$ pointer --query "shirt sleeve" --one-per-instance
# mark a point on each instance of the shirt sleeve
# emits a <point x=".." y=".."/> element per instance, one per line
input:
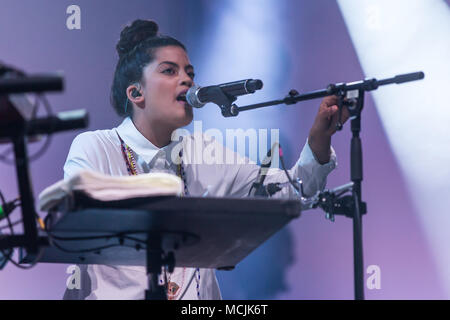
<point x="82" y="155"/>
<point x="307" y="168"/>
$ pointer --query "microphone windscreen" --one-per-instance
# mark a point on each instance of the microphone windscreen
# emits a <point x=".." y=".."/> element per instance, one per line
<point x="253" y="85"/>
<point x="192" y="99"/>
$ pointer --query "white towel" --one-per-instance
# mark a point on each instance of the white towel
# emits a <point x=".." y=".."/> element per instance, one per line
<point x="107" y="188"/>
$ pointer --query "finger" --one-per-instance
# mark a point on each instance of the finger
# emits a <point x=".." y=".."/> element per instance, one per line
<point x="345" y="115"/>
<point x="331" y="111"/>
<point x="333" y="121"/>
<point x="329" y="101"/>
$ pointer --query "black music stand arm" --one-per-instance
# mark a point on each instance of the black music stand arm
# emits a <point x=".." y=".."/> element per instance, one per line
<point x="332" y="89"/>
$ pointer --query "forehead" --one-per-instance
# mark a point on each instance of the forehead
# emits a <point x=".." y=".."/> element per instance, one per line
<point x="173" y="54"/>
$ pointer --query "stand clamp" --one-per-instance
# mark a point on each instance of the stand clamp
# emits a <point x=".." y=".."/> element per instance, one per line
<point x="333" y="203"/>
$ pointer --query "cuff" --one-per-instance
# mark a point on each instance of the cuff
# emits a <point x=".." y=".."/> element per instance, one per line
<point x="308" y="159"/>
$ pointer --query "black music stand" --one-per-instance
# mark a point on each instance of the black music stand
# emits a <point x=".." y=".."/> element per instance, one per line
<point x="183" y="232"/>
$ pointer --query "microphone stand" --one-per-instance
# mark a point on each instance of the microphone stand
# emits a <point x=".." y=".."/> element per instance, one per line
<point x="352" y="96"/>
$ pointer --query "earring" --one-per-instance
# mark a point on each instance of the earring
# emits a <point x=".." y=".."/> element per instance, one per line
<point x="136" y="92"/>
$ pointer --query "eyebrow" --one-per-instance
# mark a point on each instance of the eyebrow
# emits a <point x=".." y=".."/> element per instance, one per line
<point x="189" y="66"/>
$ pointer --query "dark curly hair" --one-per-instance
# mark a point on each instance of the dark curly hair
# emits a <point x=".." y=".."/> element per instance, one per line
<point x="136" y="49"/>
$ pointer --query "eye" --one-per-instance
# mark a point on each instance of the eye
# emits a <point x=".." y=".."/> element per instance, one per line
<point x="170" y="71"/>
<point x="191" y="75"/>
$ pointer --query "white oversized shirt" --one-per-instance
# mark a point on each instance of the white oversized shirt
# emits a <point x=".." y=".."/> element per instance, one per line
<point x="208" y="170"/>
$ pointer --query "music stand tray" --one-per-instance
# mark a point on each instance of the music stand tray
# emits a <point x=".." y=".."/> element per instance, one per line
<point x="166" y="230"/>
<point x="202" y="232"/>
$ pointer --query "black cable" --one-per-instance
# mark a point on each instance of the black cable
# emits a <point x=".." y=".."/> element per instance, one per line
<point x="9" y="209"/>
<point x="4" y="157"/>
<point x="187" y="287"/>
<point x="42" y="150"/>
<point x="91" y="249"/>
<point x="273" y="188"/>
<point x="15" y="223"/>
<point x="48" y="137"/>
<point x="7" y="255"/>
<point x="124" y="235"/>
<point x="285" y="170"/>
<point x="10" y="226"/>
<point x="121" y="235"/>
<point x="118" y="236"/>
<point x="29" y="266"/>
<point x="251" y="188"/>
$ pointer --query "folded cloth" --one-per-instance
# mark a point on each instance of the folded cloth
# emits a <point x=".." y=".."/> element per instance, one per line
<point x="107" y="188"/>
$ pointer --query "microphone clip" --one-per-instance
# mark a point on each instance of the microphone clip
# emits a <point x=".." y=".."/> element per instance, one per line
<point x="225" y="102"/>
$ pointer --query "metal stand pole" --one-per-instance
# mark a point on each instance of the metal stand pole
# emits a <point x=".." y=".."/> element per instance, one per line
<point x="154" y="265"/>
<point x="356" y="171"/>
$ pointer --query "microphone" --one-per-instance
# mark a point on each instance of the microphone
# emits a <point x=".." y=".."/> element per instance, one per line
<point x="197" y="96"/>
<point x="257" y="188"/>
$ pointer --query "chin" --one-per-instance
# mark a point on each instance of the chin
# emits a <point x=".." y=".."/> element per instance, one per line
<point x="183" y="121"/>
<point x="187" y="116"/>
<point x="187" y="120"/>
<point x="179" y="117"/>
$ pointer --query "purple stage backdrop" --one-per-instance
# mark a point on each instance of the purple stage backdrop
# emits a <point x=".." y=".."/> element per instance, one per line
<point x="312" y="258"/>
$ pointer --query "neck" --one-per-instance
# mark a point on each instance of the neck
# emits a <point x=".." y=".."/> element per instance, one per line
<point x="157" y="134"/>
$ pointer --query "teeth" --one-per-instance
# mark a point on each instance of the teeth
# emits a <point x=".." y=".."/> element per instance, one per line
<point x="182" y="97"/>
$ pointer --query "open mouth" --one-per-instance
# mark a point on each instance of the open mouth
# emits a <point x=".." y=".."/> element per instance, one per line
<point x="182" y="97"/>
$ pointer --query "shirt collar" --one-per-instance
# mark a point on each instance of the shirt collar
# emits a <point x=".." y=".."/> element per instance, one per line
<point x="140" y="145"/>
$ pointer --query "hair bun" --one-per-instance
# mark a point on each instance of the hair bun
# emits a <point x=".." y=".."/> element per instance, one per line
<point x="134" y="34"/>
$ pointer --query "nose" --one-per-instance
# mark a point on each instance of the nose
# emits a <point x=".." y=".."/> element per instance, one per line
<point x="186" y="80"/>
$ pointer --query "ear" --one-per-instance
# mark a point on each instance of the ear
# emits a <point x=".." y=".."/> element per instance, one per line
<point x="135" y="95"/>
